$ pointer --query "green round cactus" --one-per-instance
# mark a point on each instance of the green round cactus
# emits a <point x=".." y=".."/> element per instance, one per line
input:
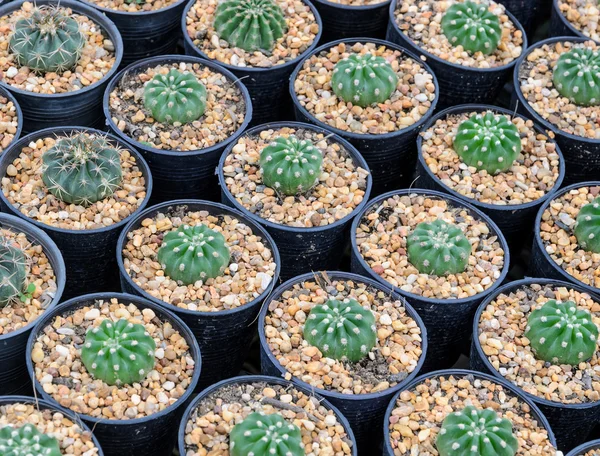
<point x="251" y="25"/>
<point x="342" y="330"/>
<point x="192" y="253"/>
<point x="27" y="440"/>
<point x="118" y="352"/>
<point x="475" y="432"/>
<point x="577" y="76"/>
<point x="364" y="80"/>
<point x="13" y="272"/>
<point x="472" y="26"/>
<point x="82" y="169"/>
<point x="290" y="165"/>
<point x="265" y="435"/>
<point x="490" y="142"/>
<point x="587" y="228"/>
<point x="562" y="334"/>
<point x="47" y="41"/>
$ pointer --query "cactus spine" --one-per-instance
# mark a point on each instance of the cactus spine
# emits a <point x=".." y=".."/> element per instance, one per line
<point x="13" y="272"/>
<point x="27" y="440"/>
<point x="472" y="26"/>
<point x="577" y="76"/>
<point x="587" y="229"/>
<point x="265" y="435"/>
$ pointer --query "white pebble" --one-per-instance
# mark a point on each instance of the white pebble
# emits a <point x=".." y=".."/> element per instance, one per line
<point x="160" y="353"/>
<point x="11" y="72"/>
<point x="162" y="398"/>
<point x="385" y="319"/>
<point x="169" y="386"/>
<point x="65" y="331"/>
<point x="330" y="420"/>
<point x="92" y="314"/>
<point x="62" y="350"/>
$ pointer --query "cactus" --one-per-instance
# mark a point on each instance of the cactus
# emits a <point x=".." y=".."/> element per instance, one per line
<point x="13" y="272"/>
<point x="475" y="432"/>
<point x="576" y="76"/>
<point x="47" y="41"/>
<point x="562" y="334"/>
<point x="364" y="80"/>
<point x="82" y="169"/>
<point x="265" y="435"/>
<point x="27" y="440"/>
<point x="587" y="228"/>
<point x="472" y="26"/>
<point x="251" y="25"/>
<point x="490" y="142"/>
<point x="342" y="330"/>
<point x="438" y="248"/>
<point x="290" y="165"/>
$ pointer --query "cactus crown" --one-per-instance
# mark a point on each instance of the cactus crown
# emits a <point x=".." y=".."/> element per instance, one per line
<point x="587" y="229"/>
<point x="27" y="440"/>
<point x="342" y="330"/>
<point x="561" y="333"/>
<point x="364" y="80"/>
<point x="47" y="41"/>
<point x="265" y="435"/>
<point x="490" y="142"/>
<point x="475" y="432"/>
<point x="577" y="76"/>
<point x="250" y="25"/>
<point x="472" y="26"/>
<point x="13" y="272"/>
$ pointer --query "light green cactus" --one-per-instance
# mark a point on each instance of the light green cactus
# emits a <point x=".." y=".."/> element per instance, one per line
<point x="265" y="435"/>
<point x="587" y="228"/>
<point x="576" y="76"/>
<point x="118" y="352"/>
<point x="13" y="273"/>
<point x="27" y="440"/>
<point x="364" y="80"/>
<point x="472" y="26"/>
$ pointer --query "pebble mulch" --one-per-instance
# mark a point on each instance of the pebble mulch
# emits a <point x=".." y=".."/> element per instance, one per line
<point x="9" y="122"/>
<point x="128" y="6"/>
<point x="583" y="15"/>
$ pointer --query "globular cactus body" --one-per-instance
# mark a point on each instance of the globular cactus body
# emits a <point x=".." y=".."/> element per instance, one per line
<point x="587" y="229"/>
<point x="27" y="440"/>
<point x="265" y="435"/>
<point x="472" y="26"/>
<point x="118" y="352"/>
<point x="576" y="76"/>
<point x="13" y="272"/>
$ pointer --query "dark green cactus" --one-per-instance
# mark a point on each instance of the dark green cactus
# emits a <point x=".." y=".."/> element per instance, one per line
<point x="265" y="435"/>
<point x="27" y="440"/>
<point x="118" y="352"/>
<point x="472" y="26"/>
<point x="13" y="272"/>
<point x="577" y="76"/>
<point x="587" y="229"/>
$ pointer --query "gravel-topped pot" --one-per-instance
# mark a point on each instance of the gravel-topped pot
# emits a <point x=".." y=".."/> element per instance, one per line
<point x="44" y="183"/>
<point x="417" y="415"/>
<point x="358" y="369"/>
<point x="381" y="118"/>
<point x="11" y="119"/>
<point x="182" y="147"/>
<point x="525" y="11"/>
<point x="391" y="243"/>
<point x="65" y="87"/>
<point x="575" y="18"/>
<point x="34" y="271"/>
<point x="468" y="71"/>
<point x="507" y="329"/>
<point x="315" y="425"/>
<point x="586" y="449"/>
<point x="308" y="216"/>
<point x="264" y="65"/>
<point x="135" y="404"/>
<point x="220" y="310"/>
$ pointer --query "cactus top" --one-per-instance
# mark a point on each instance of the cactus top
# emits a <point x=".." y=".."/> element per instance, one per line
<point x="27" y="440"/>
<point x="587" y="229"/>
<point x="577" y="76"/>
<point x="265" y="435"/>
<point x="472" y="26"/>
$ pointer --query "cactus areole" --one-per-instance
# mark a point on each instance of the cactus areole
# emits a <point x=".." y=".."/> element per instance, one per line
<point x="27" y="440"/>
<point x="472" y="26"/>
<point x="265" y="435"/>
<point x="587" y="228"/>
<point x="576" y="76"/>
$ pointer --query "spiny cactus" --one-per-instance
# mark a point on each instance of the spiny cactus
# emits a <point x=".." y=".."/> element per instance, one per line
<point x="577" y="76"/>
<point x="118" y="352"/>
<point x="490" y="142"/>
<point x="27" y="440"/>
<point x="587" y="228"/>
<point x="47" y="41"/>
<point x="364" y="80"/>
<point x="472" y="26"/>
<point x="438" y="248"/>
<point x="13" y="272"/>
<point x="561" y="333"/>
<point x="342" y="330"/>
<point x="192" y="253"/>
<point x="290" y="165"/>
<point x="82" y="169"/>
<point x="475" y="432"/>
<point x="265" y="435"/>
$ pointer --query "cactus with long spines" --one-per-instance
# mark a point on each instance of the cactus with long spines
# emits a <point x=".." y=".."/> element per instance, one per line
<point x="587" y="228"/>
<point x="472" y="26"/>
<point x="265" y="435"/>
<point x="13" y="272"/>
<point x="27" y="440"/>
<point x="576" y="76"/>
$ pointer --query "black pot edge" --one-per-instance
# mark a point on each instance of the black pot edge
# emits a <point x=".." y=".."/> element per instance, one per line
<point x="584" y="447"/>
<point x="6" y="93"/>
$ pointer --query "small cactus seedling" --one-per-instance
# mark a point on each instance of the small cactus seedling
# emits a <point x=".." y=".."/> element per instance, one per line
<point x="472" y="26"/>
<point x="476" y="432"/>
<point x="489" y="142"/>
<point x="364" y="80"/>
<point x="118" y="352"/>
<point x="47" y="41"/>
<point x="291" y="165"/>
<point x="438" y="248"/>
<point x="561" y="333"/>
<point x="342" y="330"/>
<point x="587" y="229"/>
<point x="577" y="76"/>
<point x="265" y="435"/>
<point x="27" y="440"/>
<point x="13" y="273"/>
<point x="192" y="253"/>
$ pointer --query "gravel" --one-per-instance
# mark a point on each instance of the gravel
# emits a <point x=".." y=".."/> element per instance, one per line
<point x="128" y="6"/>
<point x="9" y="122"/>
<point x="583" y="15"/>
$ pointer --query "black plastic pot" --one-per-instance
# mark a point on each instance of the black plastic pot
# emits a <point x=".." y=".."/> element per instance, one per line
<point x="448" y="321"/>
<point x="6" y="94"/>
<point x="458" y="84"/>
<point x="363" y="411"/>
<point x="155" y="434"/>
<point x="525" y="11"/>
<point x="534" y="410"/>
<point x="302" y="249"/>
<point x="89" y="254"/>
<point x="561" y="26"/>
<point x="391" y="156"/>
<point x="14" y="377"/>
<point x="80" y="107"/>
<point x="581" y="450"/>
<point x="267" y="86"/>
<point x="179" y="174"/>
